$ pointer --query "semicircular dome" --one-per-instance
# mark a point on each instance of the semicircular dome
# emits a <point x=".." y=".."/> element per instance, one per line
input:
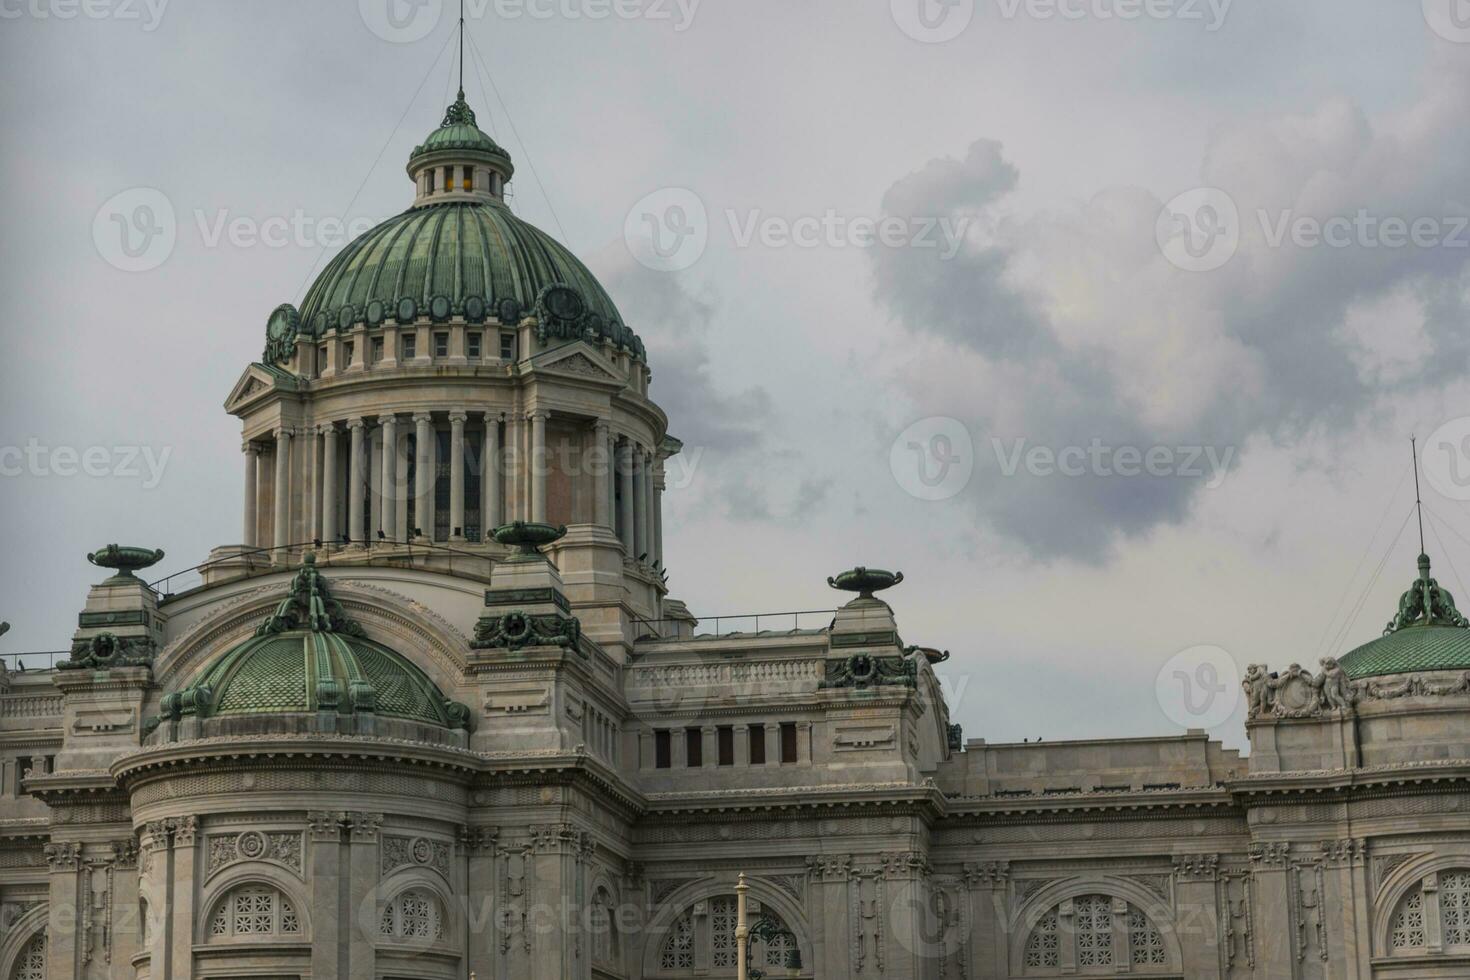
<point x="309" y="658"/>
<point x="1428" y="633"/>
<point x="453" y="252"/>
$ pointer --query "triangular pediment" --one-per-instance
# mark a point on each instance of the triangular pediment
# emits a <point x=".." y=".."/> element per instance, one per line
<point x="580" y="360"/>
<point x="254" y="385"/>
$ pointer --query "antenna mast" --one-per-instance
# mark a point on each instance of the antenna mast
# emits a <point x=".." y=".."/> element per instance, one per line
<point x="461" y="49"/>
<point x="1418" y="499"/>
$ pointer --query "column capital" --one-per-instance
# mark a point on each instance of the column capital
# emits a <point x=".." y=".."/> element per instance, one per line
<point x="282" y="431"/>
<point x="249" y="448"/>
<point x="423" y="418"/>
<point x="327" y="429"/>
<point x="602" y="426"/>
<point x="388" y="418"/>
<point x="357" y="423"/>
<point x="494" y="415"/>
<point x="538" y="413"/>
<point x="459" y="416"/>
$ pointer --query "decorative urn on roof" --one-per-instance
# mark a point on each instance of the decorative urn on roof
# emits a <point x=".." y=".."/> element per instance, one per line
<point x="865" y="581"/>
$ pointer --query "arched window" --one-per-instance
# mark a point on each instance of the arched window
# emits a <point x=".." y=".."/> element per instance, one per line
<point x="414" y="914"/>
<point x="714" y="922"/>
<point x="254" y="910"/>
<point x="31" y="963"/>
<point x="1440" y="904"/>
<point x="1094" y="934"/>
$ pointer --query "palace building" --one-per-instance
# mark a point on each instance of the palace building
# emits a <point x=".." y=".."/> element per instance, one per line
<point x="437" y="715"/>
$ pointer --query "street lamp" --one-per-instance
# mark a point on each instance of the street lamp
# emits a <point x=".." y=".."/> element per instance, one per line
<point x="766" y="929"/>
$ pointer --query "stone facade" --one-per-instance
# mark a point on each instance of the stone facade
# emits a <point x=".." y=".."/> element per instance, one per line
<point x="586" y="774"/>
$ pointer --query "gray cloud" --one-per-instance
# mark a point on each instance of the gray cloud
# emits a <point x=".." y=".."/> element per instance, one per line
<point x="1068" y="327"/>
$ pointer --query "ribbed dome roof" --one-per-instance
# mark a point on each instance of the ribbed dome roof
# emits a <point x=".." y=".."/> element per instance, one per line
<point x="307" y="657"/>
<point x="1427" y="634"/>
<point x="467" y="258"/>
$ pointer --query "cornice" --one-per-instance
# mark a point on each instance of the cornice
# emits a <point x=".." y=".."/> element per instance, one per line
<point x="846" y="799"/>
<point x="1167" y="805"/>
<point x="1371" y="782"/>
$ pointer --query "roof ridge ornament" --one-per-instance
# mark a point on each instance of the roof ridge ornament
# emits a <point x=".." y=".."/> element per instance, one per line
<point x="309" y="606"/>
<point x="459" y="113"/>
<point x="1426" y="603"/>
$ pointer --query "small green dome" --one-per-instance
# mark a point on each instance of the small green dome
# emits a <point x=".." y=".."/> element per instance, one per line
<point x="307" y="657"/>
<point x="1428" y="633"/>
<point x="460" y="133"/>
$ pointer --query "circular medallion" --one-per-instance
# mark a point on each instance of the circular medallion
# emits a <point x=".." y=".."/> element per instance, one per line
<point x="407" y="309"/>
<point x="283" y="322"/>
<point x="423" y="852"/>
<point x="250" y="844"/>
<point x="508" y="311"/>
<point x="563" y="302"/>
<point x="376" y="313"/>
<point x="515" y="627"/>
<point x="319" y="323"/>
<point x="862" y="667"/>
<point x="345" y="318"/>
<point x="439" y="308"/>
<point x="474" y="309"/>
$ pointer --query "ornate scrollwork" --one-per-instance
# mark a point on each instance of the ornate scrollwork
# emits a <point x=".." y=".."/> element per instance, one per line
<point x="309" y="606"/>
<point x="105" y="650"/>
<point x="514" y="630"/>
<point x="863" y="670"/>
<point x="1426" y="603"/>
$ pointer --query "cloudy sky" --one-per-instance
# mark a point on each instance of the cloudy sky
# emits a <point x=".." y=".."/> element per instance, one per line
<point x="1107" y="322"/>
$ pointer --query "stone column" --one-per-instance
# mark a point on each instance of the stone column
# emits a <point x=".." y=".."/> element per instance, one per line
<point x="283" y="487"/>
<point x="423" y="484"/>
<point x="313" y="496"/>
<point x="481" y="906"/>
<point x="658" y="516"/>
<point x="456" y="475"/>
<point x="538" y="466"/>
<point x="329" y="926"/>
<point x="181" y="901"/>
<point x="601" y="463"/>
<point x="625" y="489"/>
<point x="492" y="478"/>
<point x="364" y="875"/>
<point x="1195" y="891"/>
<point x="330" y="484"/>
<point x="155" y="878"/>
<point x="64" y="863"/>
<point x="357" y="484"/>
<point x="252" y="503"/>
<point x="388" y="506"/>
<point x="1272" y="908"/>
<point x="640" y="505"/>
<point x="647" y="515"/>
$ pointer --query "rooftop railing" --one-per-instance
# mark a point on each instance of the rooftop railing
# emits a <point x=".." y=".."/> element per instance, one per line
<point x="36" y="662"/>
<point x="748" y="623"/>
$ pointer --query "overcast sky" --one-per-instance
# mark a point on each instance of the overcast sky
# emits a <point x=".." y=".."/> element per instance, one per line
<point x="1106" y="322"/>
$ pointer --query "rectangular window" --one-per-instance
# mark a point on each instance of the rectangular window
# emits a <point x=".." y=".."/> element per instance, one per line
<point x="757" y="745"/>
<point x="377" y="349"/>
<point x="469" y="178"/>
<point x="726" y="739"/>
<point x="663" y="756"/>
<point x="507" y="346"/>
<point x="472" y="344"/>
<point x="441" y="345"/>
<point x="321" y="359"/>
<point x="788" y="743"/>
<point x="410" y="346"/>
<point x="694" y="747"/>
<point x="347" y="350"/>
<point x="21" y="765"/>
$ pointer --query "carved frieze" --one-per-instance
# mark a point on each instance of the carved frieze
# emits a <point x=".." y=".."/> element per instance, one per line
<point x="421" y="852"/>
<point x="253" y="845"/>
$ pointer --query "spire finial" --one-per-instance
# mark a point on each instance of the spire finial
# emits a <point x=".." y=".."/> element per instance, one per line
<point x="1418" y="498"/>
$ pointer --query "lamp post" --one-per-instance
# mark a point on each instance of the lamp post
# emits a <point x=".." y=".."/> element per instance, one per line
<point x="765" y="929"/>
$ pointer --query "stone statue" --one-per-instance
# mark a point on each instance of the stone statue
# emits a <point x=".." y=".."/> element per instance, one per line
<point x="1257" y="690"/>
<point x="1337" y="690"/>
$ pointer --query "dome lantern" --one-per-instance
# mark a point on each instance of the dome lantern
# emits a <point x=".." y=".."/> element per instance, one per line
<point x="459" y="161"/>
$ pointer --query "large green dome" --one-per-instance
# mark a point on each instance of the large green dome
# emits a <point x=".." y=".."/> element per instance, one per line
<point x="308" y="658"/>
<point x="458" y="252"/>
<point x="470" y="258"/>
<point x="1428" y="633"/>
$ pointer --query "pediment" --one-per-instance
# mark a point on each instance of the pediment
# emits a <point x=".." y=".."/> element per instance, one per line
<point x="254" y="385"/>
<point x="580" y="360"/>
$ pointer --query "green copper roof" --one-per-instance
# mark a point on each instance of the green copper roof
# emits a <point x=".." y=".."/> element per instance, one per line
<point x="309" y="657"/>
<point x="459" y="132"/>
<point x="467" y="258"/>
<point x="1428" y="633"/>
